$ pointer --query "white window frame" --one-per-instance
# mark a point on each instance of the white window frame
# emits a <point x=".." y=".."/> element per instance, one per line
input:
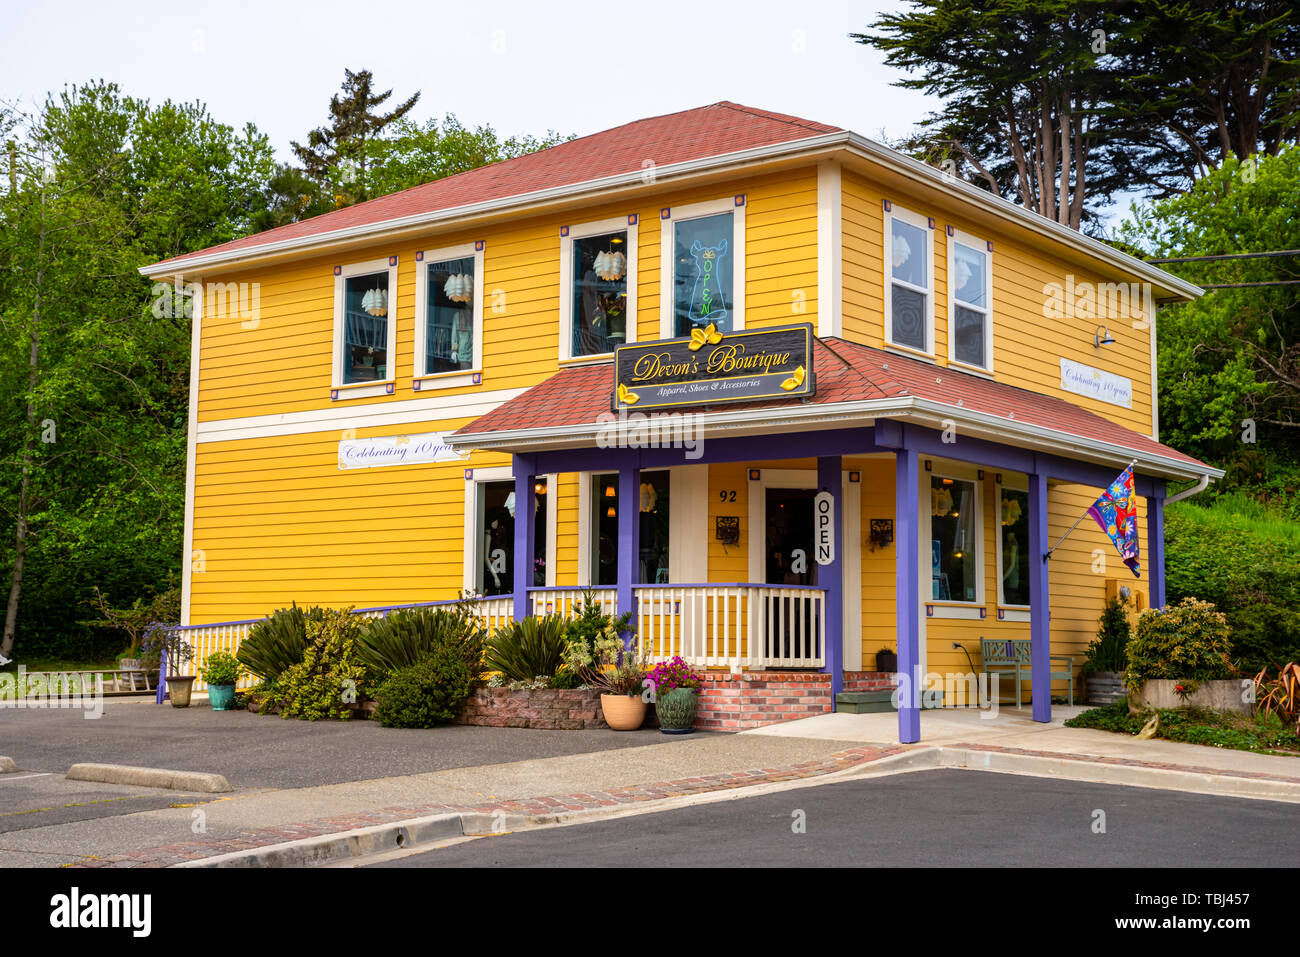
<point x="1016" y="483"/>
<point x="460" y="377"/>
<point x="356" y="390"/>
<point x="922" y="222"/>
<point x="615" y="224"/>
<point x="951" y="607"/>
<point x="470" y="556"/>
<point x="667" y="237"/>
<point x="981" y="246"/>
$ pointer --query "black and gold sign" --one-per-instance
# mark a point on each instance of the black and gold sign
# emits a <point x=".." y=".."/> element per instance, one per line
<point x="709" y="367"/>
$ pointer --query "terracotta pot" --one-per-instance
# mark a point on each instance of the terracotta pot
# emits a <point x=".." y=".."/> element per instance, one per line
<point x="623" y="712"/>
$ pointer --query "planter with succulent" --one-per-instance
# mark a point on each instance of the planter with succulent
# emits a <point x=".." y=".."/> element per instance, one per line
<point x="596" y="652"/>
<point x="221" y="671"/>
<point x="675" y="689"/>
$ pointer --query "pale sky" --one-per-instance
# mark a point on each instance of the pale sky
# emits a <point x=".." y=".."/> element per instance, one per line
<point x="574" y="67"/>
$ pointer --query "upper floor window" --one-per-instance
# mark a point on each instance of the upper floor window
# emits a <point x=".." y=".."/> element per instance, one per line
<point x="703" y="250"/>
<point x="909" y="297"/>
<point x="449" y="311"/>
<point x="970" y="302"/>
<point x="597" y="287"/>
<point x="365" y="335"/>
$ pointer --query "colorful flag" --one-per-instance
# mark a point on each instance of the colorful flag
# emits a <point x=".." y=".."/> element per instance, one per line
<point x="1116" y="513"/>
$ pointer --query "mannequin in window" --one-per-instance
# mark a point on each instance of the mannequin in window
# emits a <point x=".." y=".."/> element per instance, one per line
<point x="462" y="340"/>
<point x="1011" y="562"/>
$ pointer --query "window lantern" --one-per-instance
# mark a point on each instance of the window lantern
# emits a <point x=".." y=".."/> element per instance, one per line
<point x="375" y="302"/>
<point x="459" y="287"/>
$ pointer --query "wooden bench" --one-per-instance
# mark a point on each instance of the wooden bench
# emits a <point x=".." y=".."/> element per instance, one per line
<point x="1009" y="656"/>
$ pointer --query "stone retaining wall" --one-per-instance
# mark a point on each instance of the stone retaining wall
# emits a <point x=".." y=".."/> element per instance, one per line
<point x="554" y="709"/>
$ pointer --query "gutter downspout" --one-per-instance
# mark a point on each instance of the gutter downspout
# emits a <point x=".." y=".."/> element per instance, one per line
<point x="1196" y="489"/>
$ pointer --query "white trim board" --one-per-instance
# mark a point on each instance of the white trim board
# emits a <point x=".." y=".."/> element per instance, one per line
<point x="369" y="415"/>
<point x="830" y="249"/>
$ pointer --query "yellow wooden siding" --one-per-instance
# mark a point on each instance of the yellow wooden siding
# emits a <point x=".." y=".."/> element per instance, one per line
<point x="729" y="563"/>
<point x="1027" y="346"/>
<point x="282" y="362"/>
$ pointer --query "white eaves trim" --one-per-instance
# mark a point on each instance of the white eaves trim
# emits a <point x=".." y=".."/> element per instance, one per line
<point x="843" y="414"/>
<point x="824" y="142"/>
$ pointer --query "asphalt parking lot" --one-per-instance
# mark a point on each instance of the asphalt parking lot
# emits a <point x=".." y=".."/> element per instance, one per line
<point x="255" y="751"/>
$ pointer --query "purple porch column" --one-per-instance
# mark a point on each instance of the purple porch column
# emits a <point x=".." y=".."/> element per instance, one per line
<point x="524" y="532"/>
<point x="1156" y="547"/>
<point x="907" y="596"/>
<point x="830" y="577"/>
<point x="629" y="534"/>
<point x="1040" y="628"/>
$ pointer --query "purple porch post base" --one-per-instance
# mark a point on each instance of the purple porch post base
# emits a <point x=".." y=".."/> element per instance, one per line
<point x="524" y="472"/>
<point x="162" y="678"/>
<point x="1156" y="548"/>
<point x="629" y="546"/>
<point x="907" y="594"/>
<point x="830" y="577"/>
<point x="1040" y="631"/>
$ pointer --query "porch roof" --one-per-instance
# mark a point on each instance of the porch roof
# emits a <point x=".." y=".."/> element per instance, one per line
<point x="855" y="383"/>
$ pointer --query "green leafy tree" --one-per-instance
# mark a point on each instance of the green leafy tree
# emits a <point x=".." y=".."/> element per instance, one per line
<point x="1230" y="362"/>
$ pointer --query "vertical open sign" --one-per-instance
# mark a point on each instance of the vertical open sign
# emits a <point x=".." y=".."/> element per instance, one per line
<point x="824" y="527"/>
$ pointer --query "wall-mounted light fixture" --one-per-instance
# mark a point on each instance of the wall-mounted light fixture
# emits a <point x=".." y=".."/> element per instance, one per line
<point x="1102" y="337"/>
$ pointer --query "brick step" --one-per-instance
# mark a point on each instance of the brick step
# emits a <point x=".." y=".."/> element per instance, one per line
<point x="864" y="702"/>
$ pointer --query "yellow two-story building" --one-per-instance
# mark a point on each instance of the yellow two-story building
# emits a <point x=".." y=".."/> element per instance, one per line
<point x="795" y="400"/>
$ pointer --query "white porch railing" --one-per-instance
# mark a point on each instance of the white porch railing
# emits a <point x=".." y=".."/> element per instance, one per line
<point x="733" y="625"/>
<point x="566" y="600"/>
<point x="227" y="635"/>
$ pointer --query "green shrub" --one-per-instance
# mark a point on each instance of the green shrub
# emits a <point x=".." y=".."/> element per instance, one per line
<point x="1187" y="641"/>
<point x="1264" y="636"/>
<point x="424" y="694"/>
<point x="330" y="677"/>
<point x="221" y="668"/>
<point x="402" y="638"/>
<point x="276" y="642"/>
<point x="1231" y="559"/>
<point x="1109" y="650"/>
<point x="525" y="649"/>
<point x="565" y="680"/>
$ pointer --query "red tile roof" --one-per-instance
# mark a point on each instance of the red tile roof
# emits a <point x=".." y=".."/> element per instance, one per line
<point x="846" y="372"/>
<point x="706" y="131"/>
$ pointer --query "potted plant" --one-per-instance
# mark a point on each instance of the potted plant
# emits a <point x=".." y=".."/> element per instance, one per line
<point x="1179" y="658"/>
<point x="596" y="652"/>
<point x="675" y="688"/>
<point x="886" y="660"/>
<point x="221" y="671"/>
<point x="1107" y="655"/>
<point x="164" y="639"/>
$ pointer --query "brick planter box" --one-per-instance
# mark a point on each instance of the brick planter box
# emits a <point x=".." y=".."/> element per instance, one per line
<point x="552" y="709"/>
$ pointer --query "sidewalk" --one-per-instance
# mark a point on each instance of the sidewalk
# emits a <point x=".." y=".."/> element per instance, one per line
<point x="667" y="774"/>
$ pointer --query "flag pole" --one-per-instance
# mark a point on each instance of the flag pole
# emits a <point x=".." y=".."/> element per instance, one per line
<point x="1080" y="518"/>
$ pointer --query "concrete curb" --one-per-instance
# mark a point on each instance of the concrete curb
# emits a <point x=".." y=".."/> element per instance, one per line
<point x="361" y="842"/>
<point x="149" y="777"/>
<point x="7" y="765"/>
<point x="1101" y="772"/>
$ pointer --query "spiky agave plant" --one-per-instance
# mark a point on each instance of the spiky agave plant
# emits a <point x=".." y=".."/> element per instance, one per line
<point x="402" y="638"/>
<point x="527" y="649"/>
<point x="1281" y="695"/>
<point x="276" y="642"/>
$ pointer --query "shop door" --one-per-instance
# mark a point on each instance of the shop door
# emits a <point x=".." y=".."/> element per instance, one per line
<point x="792" y="629"/>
